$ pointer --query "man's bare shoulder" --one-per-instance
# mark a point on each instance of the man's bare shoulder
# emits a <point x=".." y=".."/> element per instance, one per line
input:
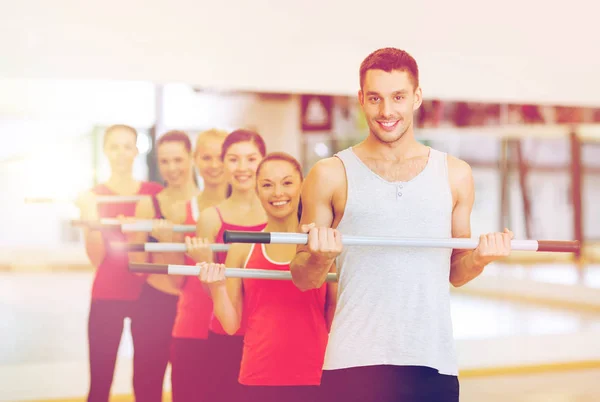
<point x="327" y="169"/>
<point x="458" y="169"/>
<point x="461" y="178"/>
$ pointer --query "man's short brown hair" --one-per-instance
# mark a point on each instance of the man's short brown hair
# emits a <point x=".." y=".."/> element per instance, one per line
<point x="389" y="59"/>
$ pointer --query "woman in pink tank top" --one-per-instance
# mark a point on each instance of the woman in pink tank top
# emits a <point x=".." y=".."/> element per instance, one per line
<point x="115" y="291"/>
<point x="242" y="152"/>
<point x="194" y="309"/>
<point x="287" y="329"/>
<point x="155" y="316"/>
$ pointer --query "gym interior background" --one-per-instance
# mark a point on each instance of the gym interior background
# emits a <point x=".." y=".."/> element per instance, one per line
<point x="512" y="95"/>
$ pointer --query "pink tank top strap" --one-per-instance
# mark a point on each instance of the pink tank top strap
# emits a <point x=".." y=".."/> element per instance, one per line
<point x="220" y="216"/>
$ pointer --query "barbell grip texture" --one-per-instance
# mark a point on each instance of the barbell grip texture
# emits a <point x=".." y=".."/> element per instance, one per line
<point x="234" y="236"/>
<point x="120" y="246"/>
<point x="145" y="268"/>
<point x="559" y="246"/>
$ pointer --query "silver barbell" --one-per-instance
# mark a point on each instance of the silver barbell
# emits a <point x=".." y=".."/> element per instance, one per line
<point x="162" y="247"/>
<point x="144" y="226"/>
<point x="564" y="246"/>
<point x="100" y="199"/>
<point x="194" y="270"/>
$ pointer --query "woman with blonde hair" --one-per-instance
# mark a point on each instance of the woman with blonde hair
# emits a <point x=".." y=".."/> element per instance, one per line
<point x="194" y="309"/>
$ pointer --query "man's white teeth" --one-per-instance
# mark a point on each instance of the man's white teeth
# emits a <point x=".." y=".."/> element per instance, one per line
<point x="389" y="124"/>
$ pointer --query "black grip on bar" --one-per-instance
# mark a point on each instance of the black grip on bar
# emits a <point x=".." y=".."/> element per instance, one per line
<point x="234" y="236"/>
<point x="559" y="246"/>
<point x="128" y="246"/>
<point x="149" y="268"/>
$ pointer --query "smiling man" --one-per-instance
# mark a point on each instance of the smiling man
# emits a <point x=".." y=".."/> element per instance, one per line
<point x="391" y="337"/>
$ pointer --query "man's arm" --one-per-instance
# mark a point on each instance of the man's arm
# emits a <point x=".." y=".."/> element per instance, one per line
<point x="466" y="265"/>
<point x="313" y="261"/>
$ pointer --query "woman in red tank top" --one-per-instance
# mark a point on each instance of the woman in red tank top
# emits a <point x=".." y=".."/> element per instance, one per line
<point x="194" y="309"/>
<point x="155" y="316"/>
<point x="115" y="291"/>
<point x="287" y="329"/>
<point x="241" y="153"/>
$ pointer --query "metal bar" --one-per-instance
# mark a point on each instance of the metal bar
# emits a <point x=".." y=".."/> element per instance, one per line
<point x="454" y="243"/>
<point x="146" y="226"/>
<point x="100" y="199"/>
<point x="162" y="247"/>
<point x="194" y="270"/>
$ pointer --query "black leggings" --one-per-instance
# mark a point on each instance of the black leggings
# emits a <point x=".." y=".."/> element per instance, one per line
<point x="224" y="360"/>
<point x="152" y="317"/>
<point x="389" y="384"/>
<point x="190" y="370"/>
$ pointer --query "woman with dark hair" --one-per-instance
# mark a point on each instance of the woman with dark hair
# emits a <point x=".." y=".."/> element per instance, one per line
<point x="286" y="329"/>
<point x="241" y="153"/>
<point x="153" y="322"/>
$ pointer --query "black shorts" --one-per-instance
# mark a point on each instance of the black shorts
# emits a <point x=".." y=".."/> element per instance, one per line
<point x="389" y="384"/>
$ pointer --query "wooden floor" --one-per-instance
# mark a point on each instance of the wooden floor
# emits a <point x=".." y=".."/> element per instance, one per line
<point x="43" y="353"/>
<point x="567" y="386"/>
<point x="559" y="386"/>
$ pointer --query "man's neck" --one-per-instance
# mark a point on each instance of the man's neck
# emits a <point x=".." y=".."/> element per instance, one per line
<point x="404" y="148"/>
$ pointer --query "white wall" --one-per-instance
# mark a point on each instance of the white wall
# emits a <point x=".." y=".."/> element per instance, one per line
<point x="58" y="151"/>
<point x="515" y="50"/>
<point x="276" y="119"/>
<point x="47" y="147"/>
<point x="81" y="101"/>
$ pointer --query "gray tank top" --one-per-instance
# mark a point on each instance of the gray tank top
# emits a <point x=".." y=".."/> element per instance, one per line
<point x="393" y="304"/>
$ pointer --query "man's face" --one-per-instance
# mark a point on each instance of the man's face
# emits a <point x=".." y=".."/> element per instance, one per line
<point x="389" y="101"/>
